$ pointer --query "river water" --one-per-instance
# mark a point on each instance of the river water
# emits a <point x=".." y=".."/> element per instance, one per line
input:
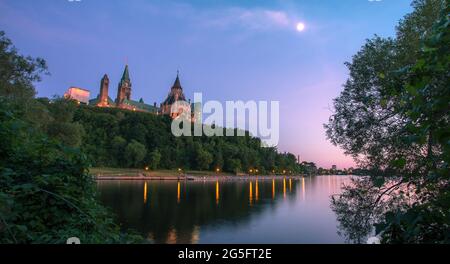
<point x="281" y="210"/>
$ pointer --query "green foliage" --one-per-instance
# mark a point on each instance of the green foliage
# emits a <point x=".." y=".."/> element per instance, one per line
<point x="202" y="158"/>
<point x="17" y="73"/>
<point x="393" y="116"/>
<point x="118" y="145"/>
<point x="109" y="131"/>
<point x="46" y="193"/>
<point x="218" y="160"/>
<point x="155" y="158"/>
<point x="134" y="153"/>
<point x="234" y="165"/>
<point x="428" y="220"/>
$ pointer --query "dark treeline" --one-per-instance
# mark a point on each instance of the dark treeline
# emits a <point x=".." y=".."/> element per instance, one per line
<point x="120" y="138"/>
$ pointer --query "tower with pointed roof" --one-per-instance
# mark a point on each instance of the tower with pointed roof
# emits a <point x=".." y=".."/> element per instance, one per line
<point x="104" y="86"/>
<point x="175" y="94"/>
<point x="124" y="88"/>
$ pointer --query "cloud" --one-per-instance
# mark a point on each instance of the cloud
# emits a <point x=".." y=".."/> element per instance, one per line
<point x="278" y="17"/>
<point x="253" y="19"/>
<point x="233" y="17"/>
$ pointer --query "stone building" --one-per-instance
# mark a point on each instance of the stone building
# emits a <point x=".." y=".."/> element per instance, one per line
<point x="175" y="94"/>
<point x="124" y="101"/>
<point x="78" y="94"/>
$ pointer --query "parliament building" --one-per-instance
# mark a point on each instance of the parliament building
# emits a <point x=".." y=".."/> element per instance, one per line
<point x="123" y="99"/>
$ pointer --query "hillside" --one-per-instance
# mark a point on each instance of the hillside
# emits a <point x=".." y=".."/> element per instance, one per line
<point x="127" y="139"/>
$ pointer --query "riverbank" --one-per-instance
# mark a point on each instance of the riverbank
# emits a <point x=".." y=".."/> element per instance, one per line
<point x="139" y="174"/>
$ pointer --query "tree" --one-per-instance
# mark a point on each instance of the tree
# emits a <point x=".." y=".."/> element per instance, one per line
<point x="218" y="160"/>
<point x="134" y="153"/>
<point x="234" y="165"/>
<point x="17" y="72"/>
<point x="427" y="96"/>
<point x="203" y="158"/>
<point x="392" y="116"/>
<point x="103" y="126"/>
<point x="62" y="127"/>
<point x="118" y="145"/>
<point x="155" y="158"/>
<point x="46" y="193"/>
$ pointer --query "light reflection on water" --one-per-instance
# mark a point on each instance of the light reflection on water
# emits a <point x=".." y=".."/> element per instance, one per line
<point x="282" y="210"/>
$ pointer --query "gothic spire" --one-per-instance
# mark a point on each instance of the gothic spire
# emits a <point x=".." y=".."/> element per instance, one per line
<point x="126" y="74"/>
<point x="177" y="83"/>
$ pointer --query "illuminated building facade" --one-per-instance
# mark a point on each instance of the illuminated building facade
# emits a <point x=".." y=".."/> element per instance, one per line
<point x="124" y="101"/>
<point x="78" y="94"/>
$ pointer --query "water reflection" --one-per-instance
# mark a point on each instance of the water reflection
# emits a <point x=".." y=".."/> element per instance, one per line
<point x="250" y="194"/>
<point x="145" y="192"/>
<point x="273" y="189"/>
<point x="290" y="185"/>
<point x="259" y="211"/>
<point x="178" y="192"/>
<point x="303" y="189"/>
<point x="256" y="190"/>
<point x="217" y="192"/>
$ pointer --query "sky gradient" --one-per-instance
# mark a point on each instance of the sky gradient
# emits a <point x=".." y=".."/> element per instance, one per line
<point x="229" y="50"/>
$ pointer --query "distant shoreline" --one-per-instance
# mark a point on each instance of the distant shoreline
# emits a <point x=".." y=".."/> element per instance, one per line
<point x="102" y="174"/>
<point x="121" y="174"/>
<point x="196" y="178"/>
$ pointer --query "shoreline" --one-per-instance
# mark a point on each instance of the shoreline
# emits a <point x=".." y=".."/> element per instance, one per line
<point x="197" y="178"/>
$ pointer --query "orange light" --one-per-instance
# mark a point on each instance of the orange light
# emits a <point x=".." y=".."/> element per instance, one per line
<point x="178" y="192"/>
<point x="146" y="168"/>
<point x="145" y="192"/>
<point x="250" y="196"/>
<point x="217" y="192"/>
<point x="273" y="189"/>
<point x="256" y="190"/>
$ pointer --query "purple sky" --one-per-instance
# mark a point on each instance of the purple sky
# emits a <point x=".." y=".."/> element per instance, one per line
<point x="229" y="50"/>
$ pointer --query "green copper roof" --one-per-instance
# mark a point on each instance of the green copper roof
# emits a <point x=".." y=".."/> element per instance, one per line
<point x="142" y="106"/>
<point x="96" y="100"/>
<point x="126" y="74"/>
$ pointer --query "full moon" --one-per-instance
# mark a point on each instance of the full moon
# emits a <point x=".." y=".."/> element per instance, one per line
<point x="300" y="27"/>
